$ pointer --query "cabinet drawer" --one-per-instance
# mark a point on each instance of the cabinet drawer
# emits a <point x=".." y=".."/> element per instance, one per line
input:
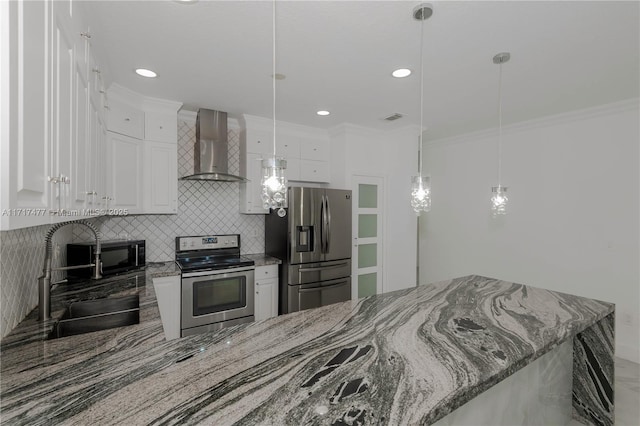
<point x="314" y="150"/>
<point x="161" y="127"/>
<point x="125" y="119"/>
<point x="314" y="171"/>
<point x="266" y="272"/>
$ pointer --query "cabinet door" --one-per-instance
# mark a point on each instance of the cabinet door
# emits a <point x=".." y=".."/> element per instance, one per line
<point x="95" y="164"/>
<point x="125" y="119"/>
<point x="266" y="301"/>
<point x="292" y="172"/>
<point x="314" y="149"/>
<point x="25" y="150"/>
<point x="314" y="171"/>
<point x="287" y="146"/>
<point x="124" y="173"/>
<point x="259" y="141"/>
<point x="160" y="177"/>
<point x="62" y="104"/>
<point x="251" y="191"/>
<point x="160" y="127"/>
<point x="81" y="137"/>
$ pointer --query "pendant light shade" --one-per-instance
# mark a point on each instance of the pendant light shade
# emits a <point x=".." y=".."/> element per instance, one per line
<point x="421" y="185"/>
<point x="499" y="193"/>
<point x="421" y="194"/>
<point x="274" y="182"/>
<point x="499" y="201"/>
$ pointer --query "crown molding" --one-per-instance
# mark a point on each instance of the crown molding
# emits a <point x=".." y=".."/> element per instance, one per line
<point x="536" y="123"/>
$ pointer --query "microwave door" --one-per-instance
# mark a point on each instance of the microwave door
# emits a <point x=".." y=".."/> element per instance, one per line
<point x="338" y="224"/>
<point x="305" y="225"/>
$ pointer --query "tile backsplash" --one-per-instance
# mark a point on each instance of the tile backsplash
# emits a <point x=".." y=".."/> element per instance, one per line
<point x="21" y="261"/>
<point x="204" y="207"/>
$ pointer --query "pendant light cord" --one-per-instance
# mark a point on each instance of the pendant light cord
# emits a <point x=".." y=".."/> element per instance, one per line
<point x="273" y="62"/>
<point x="421" y="95"/>
<point x="500" y="127"/>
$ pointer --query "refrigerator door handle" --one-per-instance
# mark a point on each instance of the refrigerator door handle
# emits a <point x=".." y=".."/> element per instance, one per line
<point x="323" y="226"/>
<point x="314" y="289"/>
<point x="323" y="268"/>
<point x="328" y="238"/>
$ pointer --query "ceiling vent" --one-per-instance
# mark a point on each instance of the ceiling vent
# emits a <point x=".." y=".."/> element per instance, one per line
<point x="394" y="116"/>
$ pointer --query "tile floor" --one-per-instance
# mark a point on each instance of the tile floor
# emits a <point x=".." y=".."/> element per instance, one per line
<point x="627" y="394"/>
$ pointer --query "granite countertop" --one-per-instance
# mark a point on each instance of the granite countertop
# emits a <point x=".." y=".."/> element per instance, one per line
<point x="262" y="259"/>
<point x="405" y="357"/>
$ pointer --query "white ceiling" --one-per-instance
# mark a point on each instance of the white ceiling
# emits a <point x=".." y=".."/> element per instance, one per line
<point x="338" y="55"/>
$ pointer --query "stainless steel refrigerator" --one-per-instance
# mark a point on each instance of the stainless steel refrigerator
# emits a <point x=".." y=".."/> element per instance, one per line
<point x="314" y="242"/>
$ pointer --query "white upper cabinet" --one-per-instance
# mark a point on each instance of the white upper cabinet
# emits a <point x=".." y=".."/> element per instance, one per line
<point x="124" y="190"/>
<point x="161" y="127"/>
<point x="125" y="119"/>
<point x="142" y="171"/>
<point x="48" y="134"/>
<point x="305" y="149"/>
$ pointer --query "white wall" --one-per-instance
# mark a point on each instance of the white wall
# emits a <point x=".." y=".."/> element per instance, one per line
<point x="392" y="155"/>
<point x="573" y="220"/>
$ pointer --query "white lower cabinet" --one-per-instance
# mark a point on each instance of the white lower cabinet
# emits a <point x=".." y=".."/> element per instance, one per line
<point x="266" y="288"/>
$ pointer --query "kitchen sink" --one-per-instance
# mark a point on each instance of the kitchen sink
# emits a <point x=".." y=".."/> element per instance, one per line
<point x="95" y="315"/>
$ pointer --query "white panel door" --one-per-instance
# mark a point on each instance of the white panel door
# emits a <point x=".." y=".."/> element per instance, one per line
<point x="124" y="173"/>
<point x="368" y="233"/>
<point x="160" y="177"/>
<point x="62" y="105"/>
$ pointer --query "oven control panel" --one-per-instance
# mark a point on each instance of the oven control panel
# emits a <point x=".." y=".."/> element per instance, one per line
<point x="207" y="242"/>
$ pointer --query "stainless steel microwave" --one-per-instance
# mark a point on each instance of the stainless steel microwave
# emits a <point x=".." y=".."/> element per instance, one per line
<point x="117" y="256"/>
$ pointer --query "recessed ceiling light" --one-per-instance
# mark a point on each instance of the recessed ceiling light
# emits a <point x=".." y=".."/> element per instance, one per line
<point x="186" y="1"/>
<point x="323" y="113"/>
<point x="146" y="73"/>
<point x="402" y="72"/>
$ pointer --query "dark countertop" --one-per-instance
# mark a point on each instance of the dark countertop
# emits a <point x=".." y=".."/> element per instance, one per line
<point x="367" y="359"/>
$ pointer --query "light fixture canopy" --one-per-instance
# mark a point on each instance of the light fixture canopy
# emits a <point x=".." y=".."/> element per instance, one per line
<point x="143" y="72"/>
<point x="499" y="197"/>
<point x="274" y="182"/>
<point x="401" y="73"/>
<point x="421" y="185"/>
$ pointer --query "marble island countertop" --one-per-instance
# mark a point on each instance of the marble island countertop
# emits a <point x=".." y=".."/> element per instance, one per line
<point x="406" y="357"/>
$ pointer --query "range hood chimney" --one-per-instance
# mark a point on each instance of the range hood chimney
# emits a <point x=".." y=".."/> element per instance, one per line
<point x="211" y="148"/>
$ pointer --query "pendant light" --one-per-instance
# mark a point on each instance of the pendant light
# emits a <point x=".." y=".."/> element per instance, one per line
<point x="499" y="193"/>
<point x="274" y="182"/>
<point x="421" y="185"/>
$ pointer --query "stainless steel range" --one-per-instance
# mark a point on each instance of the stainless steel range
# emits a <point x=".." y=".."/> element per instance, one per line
<point x="217" y="283"/>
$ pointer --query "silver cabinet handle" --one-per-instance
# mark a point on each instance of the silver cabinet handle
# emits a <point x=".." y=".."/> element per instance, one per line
<point x="314" y="289"/>
<point x="322" y="268"/>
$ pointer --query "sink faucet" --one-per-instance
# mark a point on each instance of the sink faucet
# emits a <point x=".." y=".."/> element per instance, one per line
<point x="44" y="282"/>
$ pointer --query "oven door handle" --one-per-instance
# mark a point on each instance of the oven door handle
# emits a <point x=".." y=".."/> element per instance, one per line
<point x="314" y="289"/>
<point x="216" y="272"/>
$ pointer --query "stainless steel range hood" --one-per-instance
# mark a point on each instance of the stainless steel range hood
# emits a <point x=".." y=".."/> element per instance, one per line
<point x="211" y="148"/>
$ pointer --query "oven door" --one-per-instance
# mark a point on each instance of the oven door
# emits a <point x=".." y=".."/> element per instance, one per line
<point x="210" y="297"/>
